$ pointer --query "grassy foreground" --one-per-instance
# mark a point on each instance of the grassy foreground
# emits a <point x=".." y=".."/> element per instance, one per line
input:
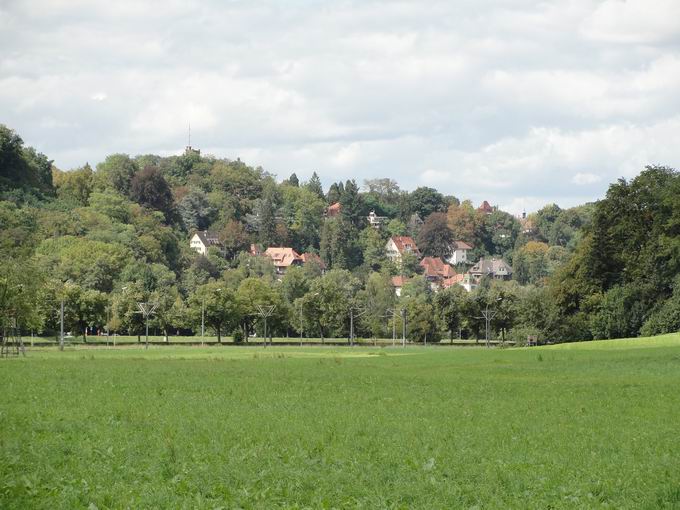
<point x="591" y="425"/>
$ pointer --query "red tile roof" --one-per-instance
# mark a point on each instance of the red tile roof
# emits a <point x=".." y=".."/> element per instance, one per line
<point x="334" y="209"/>
<point x="312" y="257"/>
<point x="454" y="280"/>
<point x="461" y="245"/>
<point x="405" y="243"/>
<point x="399" y="281"/>
<point x="283" y="257"/>
<point x="436" y="268"/>
<point x="485" y="207"/>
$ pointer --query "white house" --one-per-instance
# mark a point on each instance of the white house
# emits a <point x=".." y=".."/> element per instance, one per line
<point x="398" y="245"/>
<point x="459" y="253"/>
<point x="375" y="221"/>
<point x="202" y="240"/>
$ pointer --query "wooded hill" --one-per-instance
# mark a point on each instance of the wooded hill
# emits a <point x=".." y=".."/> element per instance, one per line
<point x="104" y="238"/>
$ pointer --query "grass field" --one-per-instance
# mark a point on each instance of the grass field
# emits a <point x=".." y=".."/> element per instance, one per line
<point x="592" y="425"/>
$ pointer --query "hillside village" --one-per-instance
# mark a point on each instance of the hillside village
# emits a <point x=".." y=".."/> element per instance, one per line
<point x="440" y="274"/>
<point x="209" y="240"/>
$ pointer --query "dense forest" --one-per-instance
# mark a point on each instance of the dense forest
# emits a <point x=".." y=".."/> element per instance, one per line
<point x="102" y="239"/>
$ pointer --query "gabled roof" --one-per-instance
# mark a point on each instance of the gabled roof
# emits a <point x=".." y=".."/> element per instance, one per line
<point x="399" y="281"/>
<point x="490" y="266"/>
<point x="334" y="209"/>
<point x="485" y="207"/>
<point x="208" y="238"/>
<point x="283" y="257"/>
<point x="461" y="245"/>
<point x="313" y="257"/>
<point x="454" y="280"/>
<point x="436" y="268"/>
<point x="405" y="243"/>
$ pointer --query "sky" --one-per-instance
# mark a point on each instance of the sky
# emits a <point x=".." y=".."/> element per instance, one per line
<point x="520" y="103"/>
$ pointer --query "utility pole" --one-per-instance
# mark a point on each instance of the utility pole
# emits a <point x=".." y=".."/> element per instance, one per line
<point x="352" y="315"/>
<point x="61" y="333"/>
<point x="403" y="327"/>
<point x="203" y="322"/>
<point x="147" y="309"/>
<point x="264" y="312"/>
<point x="300" y="323"/>
<point x="488" y="316"/>
<point x="391" y="312"/>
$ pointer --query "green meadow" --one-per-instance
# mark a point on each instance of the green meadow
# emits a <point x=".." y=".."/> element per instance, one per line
<point x="588" y="425"/>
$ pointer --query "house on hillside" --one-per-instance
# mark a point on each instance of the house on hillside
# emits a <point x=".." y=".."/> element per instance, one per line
<point x="454" y="280"/>
<point x="202" y="240"/>
<point x="314" y="259"/>
<point x="398" y="283"/>
<point x="485" y="208"/>
<point x="283" y="258"/>
<point x="492" y="267"/>
<point x="436" y="271"/>
<point x="459" y="253"/>
<point x="375" y="221"/>
<point x="398" y="245"/>
<point x="333" y="210"/>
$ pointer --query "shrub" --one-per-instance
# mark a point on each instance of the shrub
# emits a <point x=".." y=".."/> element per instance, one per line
<point x="237" y="336"/>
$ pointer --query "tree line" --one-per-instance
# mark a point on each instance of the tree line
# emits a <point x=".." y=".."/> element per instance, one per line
<point x="103" y="239"/>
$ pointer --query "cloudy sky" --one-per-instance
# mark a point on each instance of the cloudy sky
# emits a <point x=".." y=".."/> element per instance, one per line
<point x="514" y="101"/>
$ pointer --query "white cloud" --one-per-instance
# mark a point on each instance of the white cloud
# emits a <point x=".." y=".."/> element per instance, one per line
<point x="581" y="179"/>
<point x="634" y="21"/>
<point x="516" y="103"/>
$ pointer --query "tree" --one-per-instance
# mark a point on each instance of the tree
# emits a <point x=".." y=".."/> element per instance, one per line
<point x="293" y="180"/>
<point x="325" y="308"/>
<point x="234" y="239"/>
<point x="253" y="293"/>
<point x="377" y="298"/>
<point x="294" y="284"/>
<point x="414" y="225"/>
<point x="169" y="309"/>
<point x="435" y="239"/>
<point x="74" y="186"/>
<point x="339" y="248"/>
<point x="424" y="201"/>
<point x="218" y="305"/>
<point x="373" y="247"/>
<point x="530" y="264"/>
<point x="150" y="189"/>
<point x="463" y="221"/>
<point x="351" y="207"/>
<point x="195" y="210"/>
<point x="449" y="308"/>
<point x="314" y="186"/>
<point x="396" y="227"/>
<point x="266" y="222"/>
<point x="22" y="167"/>
<point x="116" y="172"/>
